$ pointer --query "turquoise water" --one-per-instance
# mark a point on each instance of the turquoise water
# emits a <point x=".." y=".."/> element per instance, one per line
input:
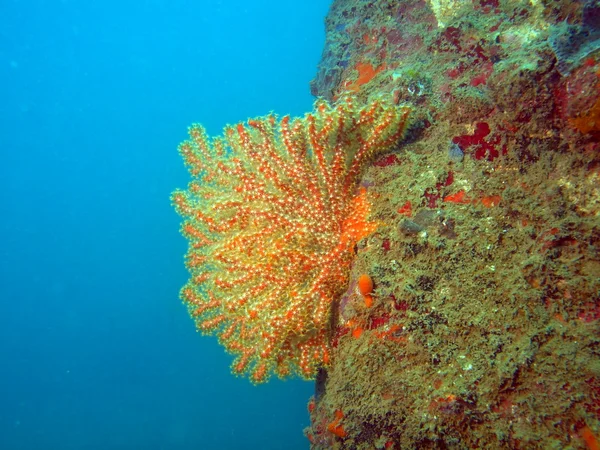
<point x="97" y="350"/>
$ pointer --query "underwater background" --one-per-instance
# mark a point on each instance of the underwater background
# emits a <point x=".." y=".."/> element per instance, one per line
<point x="97" y="350"/>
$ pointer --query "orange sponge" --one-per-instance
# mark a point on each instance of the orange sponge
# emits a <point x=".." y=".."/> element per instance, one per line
<point x="365" y="284"/>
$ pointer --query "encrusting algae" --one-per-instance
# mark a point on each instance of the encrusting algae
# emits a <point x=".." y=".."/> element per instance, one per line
<point x="484" y="326"/>
<point x="272" y="216"/>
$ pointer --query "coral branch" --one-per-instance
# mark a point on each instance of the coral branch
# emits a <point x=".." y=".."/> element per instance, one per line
<point x="272" y="216"/>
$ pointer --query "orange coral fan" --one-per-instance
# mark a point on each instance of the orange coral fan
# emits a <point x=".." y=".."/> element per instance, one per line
<point x="272" y="217"/>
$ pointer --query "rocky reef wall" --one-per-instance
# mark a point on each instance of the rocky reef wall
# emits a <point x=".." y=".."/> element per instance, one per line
<point x="481" y="330"/>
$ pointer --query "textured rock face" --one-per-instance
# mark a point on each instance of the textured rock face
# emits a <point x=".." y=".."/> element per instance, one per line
<point x="482" y="329"/>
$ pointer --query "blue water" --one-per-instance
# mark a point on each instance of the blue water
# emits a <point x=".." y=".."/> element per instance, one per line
<point x="96" y="349"/>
